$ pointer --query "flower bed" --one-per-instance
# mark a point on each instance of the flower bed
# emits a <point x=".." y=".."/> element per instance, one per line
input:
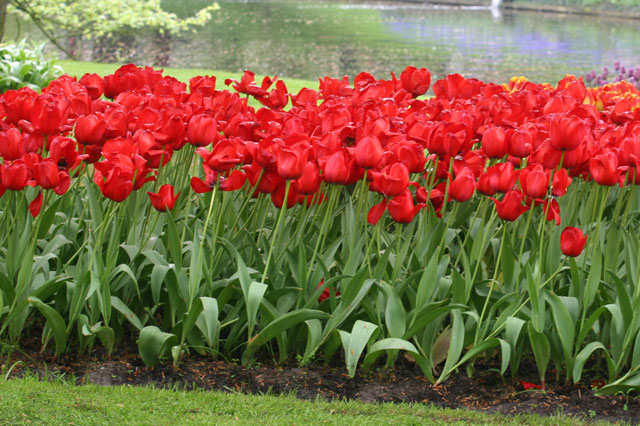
<point x="486" y="221"/>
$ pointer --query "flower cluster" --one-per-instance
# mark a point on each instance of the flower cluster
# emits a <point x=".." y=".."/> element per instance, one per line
<point x="619" y="73"/>
<point x="521" y="144"/>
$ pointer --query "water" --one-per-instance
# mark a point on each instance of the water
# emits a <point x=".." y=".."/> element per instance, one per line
<point x="311" y="39"/>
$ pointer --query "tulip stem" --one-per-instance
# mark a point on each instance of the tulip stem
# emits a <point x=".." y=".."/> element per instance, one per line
<point x="333" y="195"/>
<point x="492" y="283"/>
<point x="274" y="236"/>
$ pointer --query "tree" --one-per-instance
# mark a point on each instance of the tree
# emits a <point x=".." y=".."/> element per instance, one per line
<point x="88" y="19"/>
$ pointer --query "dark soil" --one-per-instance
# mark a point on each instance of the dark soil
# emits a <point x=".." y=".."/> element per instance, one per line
<point x="485" y="391"/>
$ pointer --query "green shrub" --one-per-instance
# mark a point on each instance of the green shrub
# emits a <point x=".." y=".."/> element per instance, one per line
<point x="25" y="64"/>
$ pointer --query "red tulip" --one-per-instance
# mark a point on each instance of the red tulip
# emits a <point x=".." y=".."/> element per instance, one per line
<point x="165" y="199"/>
<point x="604" y="168"/>
<point x="463" y="186"/>
<point x="116" y="185"/>
<point x="91" y="129"/>
<point x="534" y="181"/>
<point x="567" y="132"/>
<point x="392" y="180"/>
<point x="511" y="207"/>
<point x="35" y="205"/>
<point x="291" y="161"/>
<point x="94" y="85"/>
<point x="15" y="176"/>
<point x="17" y="104"/>
<point x="309" y="181"/>
<point x="572" y="241"/>
<point x="49" y="114"/>
<point x="335" y="168"/>
<point x="415" y="81"/>
<point x="402" y="209"/>
<point x="368" y="152"/>
<point x="493" y="143"/>
<point x="521" y="143"/>
<point x="376" y="212"/>
<point x="202" y="130"/>
<point x="561" y="182"/>
<point x="326" y="292"/>
<point x="12" y="144"/>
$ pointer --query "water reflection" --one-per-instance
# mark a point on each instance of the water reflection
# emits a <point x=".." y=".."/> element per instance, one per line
<point x="309" y="39"/>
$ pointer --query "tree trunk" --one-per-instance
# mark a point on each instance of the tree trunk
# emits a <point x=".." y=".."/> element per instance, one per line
<point x="3" y="17"/>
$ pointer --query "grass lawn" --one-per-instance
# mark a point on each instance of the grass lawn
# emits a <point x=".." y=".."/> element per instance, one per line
<point x="78" y="69"/>
<point x="57" y="402"/>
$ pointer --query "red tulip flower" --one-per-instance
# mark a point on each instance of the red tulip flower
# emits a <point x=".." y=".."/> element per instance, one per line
<point x="12" y="144"/>
<point x="392" y="180"/>
<point x="15" y="176"/>
<point x="291" y="161"/>
<point x="165" y="199"/>
<point x="91" y="129"/>
<point x="463" y="186"/>
<point x="368" y="152"/>
<point x="494" y="143"/>
<point x="511" y="207"/>
<point x="326" y="292"/>
<point x="534" y="181"/>
<point x="567" y="132"/>
<point x="415" y="81"/>
<point x="49" y="114"/>
<point x="604" y="168"/>
<point x="402" y="209"/>
<point x="202" y="130"/>
<point x="572" y="241"/>
<point x="309" y="181"/>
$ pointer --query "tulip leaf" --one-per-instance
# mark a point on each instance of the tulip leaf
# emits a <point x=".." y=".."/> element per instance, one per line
<point x="541" y="349"/>
<point x="314" y="337"/>
<point x="584" y="355"/>
<point x="394" y="344"/>
<point x="153" y="343"/>
<point x="55" y="322"/>
<point x="119" y="306"/>
<point x="593" y="279"/>
<point x="355" y="342"/>
<point x="253" y="299"/>
<point x="208" y="322"/>
<point x="395" y="315"/>
<point x="278" y="326"/>
<point x="456" y="344"/>
<point x="565" y="327"/>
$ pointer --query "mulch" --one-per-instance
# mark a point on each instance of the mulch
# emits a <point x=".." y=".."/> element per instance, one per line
<point x="486" y="390"/>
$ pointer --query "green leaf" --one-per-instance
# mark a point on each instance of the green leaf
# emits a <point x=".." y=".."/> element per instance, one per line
<point x="119" y="306"/>
<point x="425" y="315"/>
<point x="158" y="274"/>
<point x="154" y="343"/>
<point x="584" y="355"/>
<point x="593" y="279"/>
<point x="314" y="337"/>
<point x="253" y="300"/>
<point x="278" y="326"/>
<point x="565" y="327"/>
<point x="541" y="350"/>
<point x="208" y="322"/>
<point x="455" y="345"/>
<point x="395" y="316"/>
<point x="355" y="342"/>
<point x="394" y="344"/>
<point x="55" y="321"/>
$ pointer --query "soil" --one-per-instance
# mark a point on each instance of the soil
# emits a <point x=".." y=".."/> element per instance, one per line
<point x="485" y="391"/>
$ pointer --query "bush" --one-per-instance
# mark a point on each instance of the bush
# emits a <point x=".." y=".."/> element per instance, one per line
<point x="25" y="65"/>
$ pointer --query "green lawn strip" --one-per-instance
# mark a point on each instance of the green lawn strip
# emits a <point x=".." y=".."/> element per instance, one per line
<point x="78" y="69"/>
<point x="31" y="401"/>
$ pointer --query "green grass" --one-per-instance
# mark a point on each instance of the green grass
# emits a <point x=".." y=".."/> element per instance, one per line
<point x="78" y="69"/>
<point x="58" y="402"/>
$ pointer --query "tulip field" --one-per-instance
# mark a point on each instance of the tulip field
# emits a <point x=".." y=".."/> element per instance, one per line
<point x="361" y="222"/>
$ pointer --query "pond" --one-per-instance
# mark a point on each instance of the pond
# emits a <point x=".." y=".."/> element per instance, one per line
<point x="311" y="39"/>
